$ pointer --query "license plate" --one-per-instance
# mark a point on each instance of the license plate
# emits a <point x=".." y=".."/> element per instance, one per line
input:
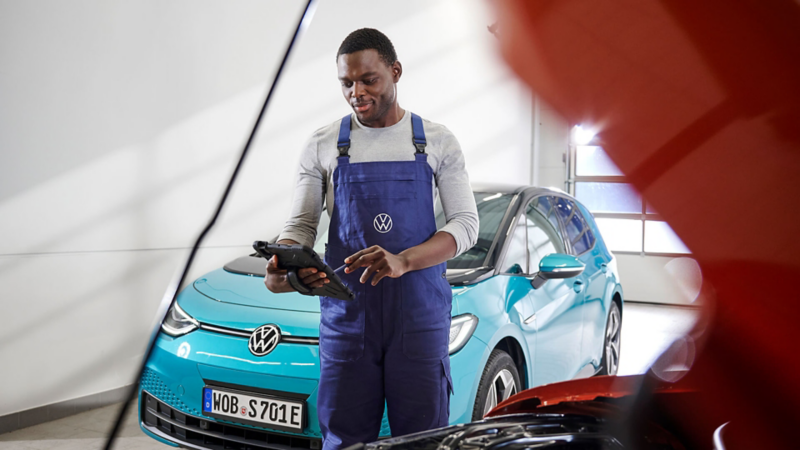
<point x="254" y="409"/>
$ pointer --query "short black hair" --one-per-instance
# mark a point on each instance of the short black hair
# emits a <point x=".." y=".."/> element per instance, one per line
<point x="365" y="39"/>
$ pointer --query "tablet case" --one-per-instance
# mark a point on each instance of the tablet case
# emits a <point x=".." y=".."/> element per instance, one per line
<point x="296" y="256"/>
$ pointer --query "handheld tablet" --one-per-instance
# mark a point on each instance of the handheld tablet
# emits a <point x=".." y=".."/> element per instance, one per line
<point x="293" y="257"/>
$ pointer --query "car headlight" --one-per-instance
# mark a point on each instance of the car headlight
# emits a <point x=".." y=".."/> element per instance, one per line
<point x="177" y="322"/>
<point x="461" y="329"/>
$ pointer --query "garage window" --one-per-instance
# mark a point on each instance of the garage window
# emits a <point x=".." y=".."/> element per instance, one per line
<point x="627" y="221"/>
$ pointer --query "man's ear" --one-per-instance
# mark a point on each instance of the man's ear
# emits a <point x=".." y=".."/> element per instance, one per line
<point x="397" y="71"/>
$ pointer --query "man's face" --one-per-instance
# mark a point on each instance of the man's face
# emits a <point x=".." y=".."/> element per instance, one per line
<point x="368" y="84"/>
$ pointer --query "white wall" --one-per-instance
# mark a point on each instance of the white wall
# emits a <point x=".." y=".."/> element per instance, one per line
<point x="660" y="279"/>
<point x="120" y="121"/>
<point x="551" y="137"/>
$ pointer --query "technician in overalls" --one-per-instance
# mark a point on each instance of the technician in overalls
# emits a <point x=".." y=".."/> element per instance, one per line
<point x="378" y="170"/>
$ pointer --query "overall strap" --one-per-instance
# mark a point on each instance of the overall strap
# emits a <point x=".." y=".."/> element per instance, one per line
<point x="343" y="144"/>
<point x="419" y="133"/>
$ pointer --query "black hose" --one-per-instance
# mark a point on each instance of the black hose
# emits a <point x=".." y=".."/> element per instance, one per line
<point x="172" y="291"/>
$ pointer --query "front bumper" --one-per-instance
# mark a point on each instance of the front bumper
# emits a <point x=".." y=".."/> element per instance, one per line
<point x="179" y="368"/>
<point x="170" y="395"/>
<point x="173" y="427"/>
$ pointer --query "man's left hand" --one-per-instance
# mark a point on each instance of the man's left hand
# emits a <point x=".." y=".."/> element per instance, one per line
<point x="377" y="261"/>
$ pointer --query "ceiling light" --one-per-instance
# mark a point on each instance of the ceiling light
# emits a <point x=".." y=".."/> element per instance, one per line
<point x="582" y="136"/>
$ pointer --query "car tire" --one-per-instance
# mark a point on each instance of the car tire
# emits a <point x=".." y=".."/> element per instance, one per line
<point x="499" y="381"/>
<point x="609" y="364"/>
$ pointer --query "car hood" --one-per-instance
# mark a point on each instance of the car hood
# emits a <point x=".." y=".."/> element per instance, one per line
<point x="584" y="390"/>
<point x="235" y="297"/>
<point x="230" y="286"/>
<point x="249" y="290"/>
<point x="590" y="413"/>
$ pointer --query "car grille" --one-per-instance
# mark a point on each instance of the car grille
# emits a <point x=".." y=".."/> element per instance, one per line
<point x="194" y="432"/>
<point x="285" y="338"/>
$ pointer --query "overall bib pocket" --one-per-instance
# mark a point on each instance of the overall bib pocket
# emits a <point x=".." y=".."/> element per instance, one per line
<point x="382" y="220"/>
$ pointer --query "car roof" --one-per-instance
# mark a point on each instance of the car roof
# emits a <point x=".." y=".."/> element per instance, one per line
<point x="515" y="189"/>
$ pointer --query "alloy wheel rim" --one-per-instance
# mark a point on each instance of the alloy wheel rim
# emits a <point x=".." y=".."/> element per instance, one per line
<point x="612" y="342"/>
<point x="503" y="386"/>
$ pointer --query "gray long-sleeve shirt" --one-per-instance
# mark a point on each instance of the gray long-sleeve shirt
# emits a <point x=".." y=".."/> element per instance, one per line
<point x="393" y="143"/>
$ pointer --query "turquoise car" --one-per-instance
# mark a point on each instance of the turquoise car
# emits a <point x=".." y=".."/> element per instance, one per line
<point x="537" y="300"/>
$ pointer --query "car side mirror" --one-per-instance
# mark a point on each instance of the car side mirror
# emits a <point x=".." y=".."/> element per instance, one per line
<point x="556" y="265"/>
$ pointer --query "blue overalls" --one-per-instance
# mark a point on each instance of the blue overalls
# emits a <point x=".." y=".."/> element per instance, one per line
<point x="390" y="343"/>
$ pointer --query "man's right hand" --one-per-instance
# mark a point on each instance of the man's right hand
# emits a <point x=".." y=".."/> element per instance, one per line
<point x="277" y="280"/>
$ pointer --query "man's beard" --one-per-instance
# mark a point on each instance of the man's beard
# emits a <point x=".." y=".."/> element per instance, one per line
<point x="380" y="110"/>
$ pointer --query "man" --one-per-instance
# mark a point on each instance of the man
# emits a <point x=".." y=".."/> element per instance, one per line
<point x="378" y="172"/>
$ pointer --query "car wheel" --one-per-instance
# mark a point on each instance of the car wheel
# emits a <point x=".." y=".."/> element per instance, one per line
<point x="499" y="381"/>
<point x="611" y="345"/>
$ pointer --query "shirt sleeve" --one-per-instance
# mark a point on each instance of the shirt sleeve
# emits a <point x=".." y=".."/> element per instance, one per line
<point x="309" y="194"/>
<point x="458" y="202"/>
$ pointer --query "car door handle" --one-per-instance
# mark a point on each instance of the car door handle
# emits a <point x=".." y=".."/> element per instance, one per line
<point x="604" y="267"/>
<point x="578" y="286"/>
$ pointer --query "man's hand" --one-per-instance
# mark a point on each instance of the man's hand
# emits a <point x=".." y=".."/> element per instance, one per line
<point x="277" y="280"/>
<point x="377" y="261"/>
<point x="435" y="250"/>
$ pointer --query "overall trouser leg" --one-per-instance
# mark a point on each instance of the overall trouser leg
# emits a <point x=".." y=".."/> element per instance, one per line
<point x="350" y="398"/>
<point x="417" y="375"/>
<point x="350" y="402"/>
<point x="429" y="405"/>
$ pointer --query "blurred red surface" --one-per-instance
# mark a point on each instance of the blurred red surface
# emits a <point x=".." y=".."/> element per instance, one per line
<point x="698" y="103"/>
<point x="582" y="390"/>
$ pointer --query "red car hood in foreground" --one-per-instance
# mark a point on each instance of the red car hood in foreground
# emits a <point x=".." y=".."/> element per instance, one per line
<point x="582" y="390"/>
<point x="614" y="413"/>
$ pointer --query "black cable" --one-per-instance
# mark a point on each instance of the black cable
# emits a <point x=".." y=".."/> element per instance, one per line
<point x="175" y="284"/>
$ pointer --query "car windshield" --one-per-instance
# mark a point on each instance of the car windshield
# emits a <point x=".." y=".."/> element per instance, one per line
<point x="491" y="209"/>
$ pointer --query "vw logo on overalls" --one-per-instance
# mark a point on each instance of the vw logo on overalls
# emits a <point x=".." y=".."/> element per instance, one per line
<point x="383" y="223"/>
<point x="264" y="339"/>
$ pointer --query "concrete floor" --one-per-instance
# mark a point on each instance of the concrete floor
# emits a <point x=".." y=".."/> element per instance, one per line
<point x="646" y="331"/>
<point x="82" y="431"/>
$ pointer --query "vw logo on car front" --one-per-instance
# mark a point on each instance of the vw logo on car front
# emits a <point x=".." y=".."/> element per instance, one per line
<point x="264" y="339"/>
<point x="383" y="223"/>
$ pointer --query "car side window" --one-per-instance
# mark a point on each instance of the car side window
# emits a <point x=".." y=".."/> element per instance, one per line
<point x="543" y="237"/>
<point x="586" y="240"/>
<point x="584" y="243"/>
<point x="578" y="231"/>
<point x="516" y="260"/>
<point x="547" y="206"/>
